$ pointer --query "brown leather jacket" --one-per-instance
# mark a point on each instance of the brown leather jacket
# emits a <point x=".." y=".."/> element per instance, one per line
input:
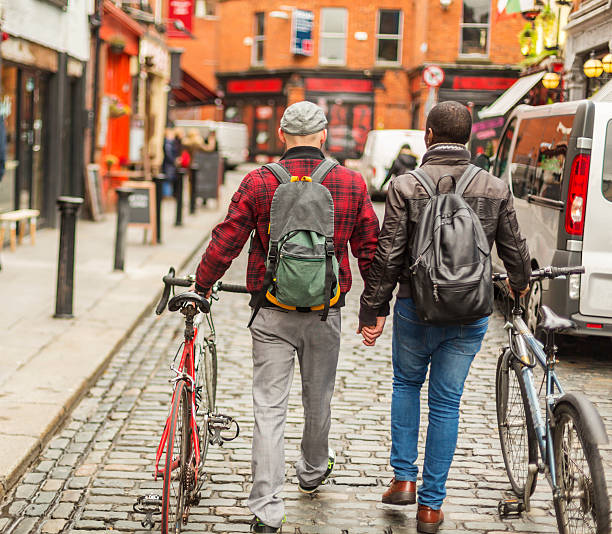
<point x="487" y="195"/>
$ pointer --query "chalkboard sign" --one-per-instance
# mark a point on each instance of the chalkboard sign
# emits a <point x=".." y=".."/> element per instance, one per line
<point x="208" y="175"/>
<point x="142" y="206"/>
<point x="93" y="191"/>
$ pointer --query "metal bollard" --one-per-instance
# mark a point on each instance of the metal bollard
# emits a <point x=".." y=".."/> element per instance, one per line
<point x="123" y="215"/>
<point x="178" y="194"/>
<point x="159" y="182"/>
<point x="69" y="207"/>
<point x="192" y="187"/>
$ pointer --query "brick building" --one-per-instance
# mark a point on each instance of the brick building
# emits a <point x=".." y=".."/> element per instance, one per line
<point x="362" y="61"/>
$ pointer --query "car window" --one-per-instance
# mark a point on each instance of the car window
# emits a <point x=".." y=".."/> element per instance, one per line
<point x="501" y="162"/>
<point x="539" y="156"/>
<point x="548" y="177"/>
<point x="606" y="182"/>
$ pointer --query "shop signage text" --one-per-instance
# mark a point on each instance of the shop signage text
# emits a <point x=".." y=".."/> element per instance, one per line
<point x="180" y="10"/>
<point x="301" y="32"/>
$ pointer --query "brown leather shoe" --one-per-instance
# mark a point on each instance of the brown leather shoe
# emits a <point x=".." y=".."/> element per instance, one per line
<point x="428" y="519"/>
<point x="400" y="492"/>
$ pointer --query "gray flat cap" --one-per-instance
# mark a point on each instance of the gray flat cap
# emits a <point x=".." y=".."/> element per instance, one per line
<point x="303" y="118"/>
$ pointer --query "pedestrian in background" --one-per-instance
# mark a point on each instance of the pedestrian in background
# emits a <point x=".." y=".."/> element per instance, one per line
<point x="405" y="162"/>
<point x="169" y="161"/>
<point x="417" y="345"/>
<point x="277" y="332"/>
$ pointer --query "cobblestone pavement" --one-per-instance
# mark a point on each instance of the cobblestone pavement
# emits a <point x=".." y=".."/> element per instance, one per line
<point x="88" y="477"/>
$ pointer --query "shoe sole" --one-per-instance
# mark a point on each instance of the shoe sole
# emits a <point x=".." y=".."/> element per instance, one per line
<point x="309" y="491"/>
<point x="428" y="528"/>
<point x="400" y="500"/>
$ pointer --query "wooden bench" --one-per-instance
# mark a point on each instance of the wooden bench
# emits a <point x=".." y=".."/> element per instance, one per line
<point x="11" y="218"/>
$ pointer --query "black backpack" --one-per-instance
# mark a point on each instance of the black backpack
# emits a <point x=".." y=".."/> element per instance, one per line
<point x="450" y="256"/>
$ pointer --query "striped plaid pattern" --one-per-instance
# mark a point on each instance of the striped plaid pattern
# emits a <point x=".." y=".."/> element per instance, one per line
<point x="354" y="222"/>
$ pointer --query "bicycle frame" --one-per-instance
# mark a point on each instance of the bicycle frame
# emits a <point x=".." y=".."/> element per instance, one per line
<point x="186" y="372"/>
<point x="526" y="347"/>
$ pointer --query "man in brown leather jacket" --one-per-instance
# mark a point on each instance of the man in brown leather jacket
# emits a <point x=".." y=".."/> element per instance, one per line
<point x="417" y="345"/>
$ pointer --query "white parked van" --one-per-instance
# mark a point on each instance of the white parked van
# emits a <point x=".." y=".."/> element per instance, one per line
<point x="381" y="148"/>
<point x="557" y="160"/>
<point x="232" y="138"/>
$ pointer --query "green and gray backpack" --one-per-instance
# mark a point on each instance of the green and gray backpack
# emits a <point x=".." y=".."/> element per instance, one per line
<point x="301" y="267"/>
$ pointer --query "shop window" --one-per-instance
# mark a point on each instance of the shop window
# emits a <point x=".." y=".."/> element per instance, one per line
<point x="389" y="36"/>
<point x="606" y="182"/>
<point x="332" y="39"/>
<point x="475" y="27"/>
<point x="259" y="39"/>
<point x="539" y="156"/>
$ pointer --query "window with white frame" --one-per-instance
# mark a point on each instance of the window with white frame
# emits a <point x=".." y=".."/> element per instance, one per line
<point x="258" y="39"/>
<point x="389" y="36"/>
<point x="475" y="28"/>
<point x="332" y="38"/>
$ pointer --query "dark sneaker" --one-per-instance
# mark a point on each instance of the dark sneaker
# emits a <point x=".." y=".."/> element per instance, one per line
<point x="331" y="461"/>
<point x="257" y="525"/>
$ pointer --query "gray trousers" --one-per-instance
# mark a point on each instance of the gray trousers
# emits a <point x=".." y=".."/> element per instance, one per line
<point x="277" y="335"/>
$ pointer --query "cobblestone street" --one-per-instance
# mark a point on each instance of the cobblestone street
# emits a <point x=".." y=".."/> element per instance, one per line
<point x="90" y="474"/>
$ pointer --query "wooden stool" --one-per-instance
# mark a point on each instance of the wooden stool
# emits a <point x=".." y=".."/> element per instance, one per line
<point x="12" y="218"/>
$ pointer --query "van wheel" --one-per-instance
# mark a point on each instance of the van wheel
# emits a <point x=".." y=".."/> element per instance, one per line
<point x="532" y="308"/>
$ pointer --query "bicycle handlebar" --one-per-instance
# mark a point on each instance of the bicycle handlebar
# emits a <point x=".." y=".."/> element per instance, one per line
<point x="231" y="288"/>
<point x="171" y="281"/>
<point x="545" y="272"/>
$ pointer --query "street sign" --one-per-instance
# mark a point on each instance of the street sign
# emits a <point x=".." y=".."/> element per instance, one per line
<point x="433" y="76"/>
<point x="301" y="32"/>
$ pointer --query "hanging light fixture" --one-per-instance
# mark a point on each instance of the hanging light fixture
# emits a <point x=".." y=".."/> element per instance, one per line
<point x="606" y="63"/>
<point x="551" y="80"/>
<point x="593" y="67"/>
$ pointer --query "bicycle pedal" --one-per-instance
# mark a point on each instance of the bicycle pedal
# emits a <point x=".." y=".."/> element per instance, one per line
<point x="218" y="423"/>
<point x="150" y="505"/>
<point x="510" y="508"/>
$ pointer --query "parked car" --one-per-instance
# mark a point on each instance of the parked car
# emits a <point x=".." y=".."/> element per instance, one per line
<point x="557" y="160"/>
<point x="232" y="138"/>
<point x="381" y="148"/>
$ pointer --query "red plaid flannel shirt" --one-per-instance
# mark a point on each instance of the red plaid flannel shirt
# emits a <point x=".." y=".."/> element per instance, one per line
<point x="354" y="222"/>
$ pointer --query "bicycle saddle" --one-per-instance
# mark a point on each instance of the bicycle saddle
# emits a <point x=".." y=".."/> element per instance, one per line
<point x="551" y="322"/>
<point x="178" y="301"/>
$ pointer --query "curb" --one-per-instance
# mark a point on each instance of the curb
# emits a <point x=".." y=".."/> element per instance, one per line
<point x="7" y="483"/>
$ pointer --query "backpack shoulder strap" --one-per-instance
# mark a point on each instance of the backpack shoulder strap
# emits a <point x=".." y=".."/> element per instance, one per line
<point x="466" y="179"/>
<point x="424" y="179"/>
<point x="322" y="170"/>
<point x="282" y="174"/>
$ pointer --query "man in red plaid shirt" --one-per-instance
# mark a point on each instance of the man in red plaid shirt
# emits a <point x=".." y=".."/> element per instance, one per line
<point x="279" y="333"/>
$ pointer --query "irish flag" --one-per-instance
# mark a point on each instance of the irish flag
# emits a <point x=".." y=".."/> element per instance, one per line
<point x="514" y="6"/>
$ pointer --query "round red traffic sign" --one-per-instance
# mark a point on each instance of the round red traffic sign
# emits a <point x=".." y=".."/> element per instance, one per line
<point x="433" y="76"/>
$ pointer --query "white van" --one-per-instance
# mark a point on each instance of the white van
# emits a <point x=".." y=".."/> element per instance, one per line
<point x="557" y="160"/>
<point x="381" y="148"/>
<point x="232" y="138"/>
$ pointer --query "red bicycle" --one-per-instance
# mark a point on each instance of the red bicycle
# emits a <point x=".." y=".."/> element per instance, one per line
<point x="193" y="422"/>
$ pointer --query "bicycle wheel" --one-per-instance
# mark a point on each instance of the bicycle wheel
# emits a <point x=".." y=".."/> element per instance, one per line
<point x="207" y="393"/>
<point x="516" y="435"/>
<point x="583" y="505"/>
<point x="178" y="447"/>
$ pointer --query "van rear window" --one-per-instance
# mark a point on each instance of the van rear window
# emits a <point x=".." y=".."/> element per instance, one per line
<point x="606" y="182"/>
<point x="539" y="156"/>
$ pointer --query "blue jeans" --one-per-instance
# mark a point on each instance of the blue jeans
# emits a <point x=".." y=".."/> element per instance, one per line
<point x="450" y="350"/>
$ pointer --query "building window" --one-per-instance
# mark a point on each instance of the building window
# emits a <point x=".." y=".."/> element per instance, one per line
<point x="258" y="39"/>
<point x="204" y="8"/>
<point x="333" y="36"/>
<point x="475" y="27"/>
<point x="389" y="36"/>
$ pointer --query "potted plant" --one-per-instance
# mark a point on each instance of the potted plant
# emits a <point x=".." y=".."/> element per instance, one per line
<point x="110" y="160"/>
<point x="546" y="20"/>
<point x="527" y="38"/>
<point x="117" y="44"/>
<point x="117" y="109"/>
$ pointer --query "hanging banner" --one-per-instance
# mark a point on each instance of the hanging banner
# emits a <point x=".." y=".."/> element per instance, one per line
<point x="301" y="32"/>
<point x="180" y="11"/>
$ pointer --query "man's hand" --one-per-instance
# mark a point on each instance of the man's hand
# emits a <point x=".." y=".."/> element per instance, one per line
<point x="521" y="294"/>
<point x="206" y="295"/>
<point x="372" y="333"/>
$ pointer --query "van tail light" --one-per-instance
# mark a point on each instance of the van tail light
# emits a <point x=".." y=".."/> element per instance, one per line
<point x="575" y="208"/>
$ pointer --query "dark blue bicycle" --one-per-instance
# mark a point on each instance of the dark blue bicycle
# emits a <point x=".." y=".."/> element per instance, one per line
<point x="566" y="431"/>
